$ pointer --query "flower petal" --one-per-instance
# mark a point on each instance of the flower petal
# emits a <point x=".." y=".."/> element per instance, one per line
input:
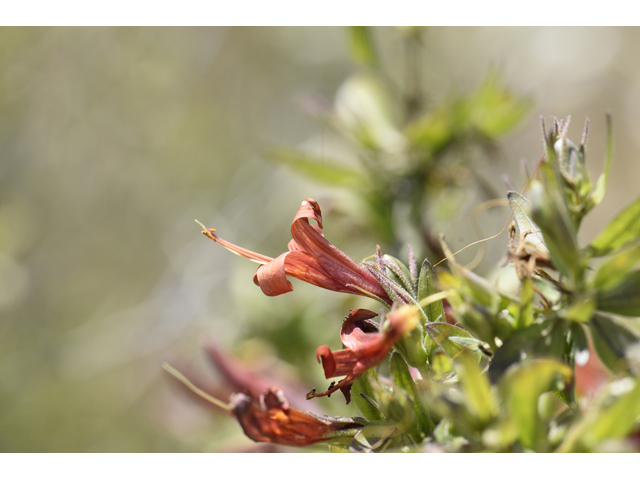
<point x="339" y="266"/>
<point x="271" y="277"/>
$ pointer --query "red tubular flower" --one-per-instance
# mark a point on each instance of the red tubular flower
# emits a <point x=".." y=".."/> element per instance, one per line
<point x="311" y="258"/>
<point x="366" y="347"/>
<point x="273" y="420"/>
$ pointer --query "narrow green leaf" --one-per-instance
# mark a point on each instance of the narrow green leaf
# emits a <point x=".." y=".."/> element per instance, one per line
<point x="427" y="286"/>
<point x="361" y="46"/>
<point x="411" y="346"/>
<point x="521" y="386"/>
<point x="444" y="336"/>
<point x="611" y="340"/>
<point x="601" y="186"/>
<point x="546" y="338"/>
<point x="614" y="418"/>
<point x="580" y="309"/>
<point x="476" y="387"/>
<point x="623" y="299"/>
<point x="525" y="316"/>
<point x="364" y="385"/>
<point x="613" y="271"/>
<point x="402" y="377"/>
<point x="551" y="214"/>
<point x="328" y="172"/>
<point x="618" y="419"/>
<point x="624" y="228"/>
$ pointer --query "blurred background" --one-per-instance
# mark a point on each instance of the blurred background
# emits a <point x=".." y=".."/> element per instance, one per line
<point x="113" y="140"/>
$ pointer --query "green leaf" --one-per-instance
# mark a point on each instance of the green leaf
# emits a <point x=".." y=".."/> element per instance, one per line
<point x="618" y="419"/>
<point x="525" y="316"/>
<point x="328" y="172"/>
<point x="546" y="338"/>
<point x="361" y="46"/>
<point x="580" y="309"/>
<point x="623" y="299"/>
<point x="601" y="186"/>
<point x="411" y="346"/>
<point x="613" y="271"/>
<point x="550" y="212"/>
<point x="402" y="377"/>
<point x="614" y="418"/>
<point x="364" y="385"/>
<point x="521" y="386"/>
<point x="623" y="229"/>
<point x="479" y="397"/>
<point x="611" y="340"/>
<point x="446" y="337"/>
<point x="427" y="286"/>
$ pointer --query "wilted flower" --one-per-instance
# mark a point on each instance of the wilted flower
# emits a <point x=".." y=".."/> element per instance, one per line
<point x="273" y="420"/>
<point x="366" y="347"/>
<point x="311" y="258"/>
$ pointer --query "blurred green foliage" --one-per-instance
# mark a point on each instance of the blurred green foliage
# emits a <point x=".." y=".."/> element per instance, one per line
<point x="112" y="140"/>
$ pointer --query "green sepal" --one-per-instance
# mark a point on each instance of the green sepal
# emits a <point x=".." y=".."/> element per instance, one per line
<point x="402" y="273"/>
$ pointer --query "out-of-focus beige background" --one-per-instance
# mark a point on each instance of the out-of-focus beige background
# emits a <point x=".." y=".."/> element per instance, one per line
<point x="112" y="140"/>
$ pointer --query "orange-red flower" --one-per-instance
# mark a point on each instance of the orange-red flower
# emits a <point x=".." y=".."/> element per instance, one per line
<point x="311" y="258"/>
<point x="366" y="347"/>
<point x="273" y="420"/>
